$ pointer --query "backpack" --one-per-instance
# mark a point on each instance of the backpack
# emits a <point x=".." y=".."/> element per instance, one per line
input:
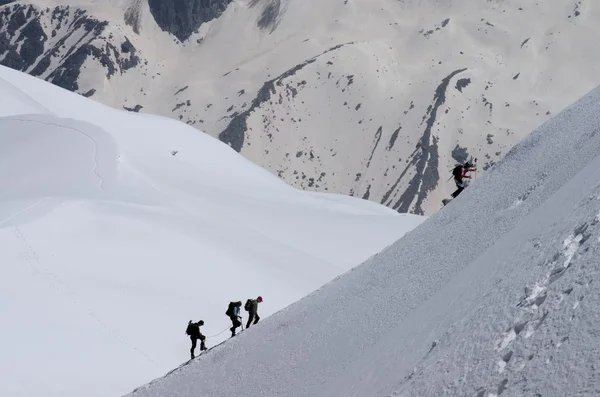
<point x="194" y="329"/>
<point x="229" y="311"/>
<point x="457" y="171"/>
<point x="248" y="305"/>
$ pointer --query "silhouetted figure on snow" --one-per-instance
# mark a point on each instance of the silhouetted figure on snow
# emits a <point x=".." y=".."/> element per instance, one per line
<point x="460" y="172"/>
<point x="233" y="311"/>
<point x="193" y="330"/>
<point x="251" y="307"/>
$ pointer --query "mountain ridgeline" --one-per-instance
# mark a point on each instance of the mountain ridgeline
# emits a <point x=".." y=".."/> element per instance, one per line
<point x="376" y="100"/>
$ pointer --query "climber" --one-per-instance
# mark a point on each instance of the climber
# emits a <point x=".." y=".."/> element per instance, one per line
<point x="193" y="330"/>
<point x="251" y="307"/>
<point x="233" y="312"/>
<point x="460" y="172"/>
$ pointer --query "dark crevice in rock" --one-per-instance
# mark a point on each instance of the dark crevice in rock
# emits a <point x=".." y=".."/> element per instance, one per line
<point x="367" y="193"/>
<point x="460" y="154"/>
<point x="393" y="138"/>
<point x="183" y="17"/>
<point x="133" y="15"/>
<point x="135" y="109"/>
<point x="269" y="18"/>
<point x="179" y="91"/>
<point x="462" y="83"/>
<point x="377" y="139"/>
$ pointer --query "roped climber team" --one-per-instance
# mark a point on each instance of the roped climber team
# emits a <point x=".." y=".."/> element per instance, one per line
<point x="460" y="172"/>
<point x="233" y="312"/>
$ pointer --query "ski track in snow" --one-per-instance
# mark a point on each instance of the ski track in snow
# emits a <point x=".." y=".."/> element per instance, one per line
<point x="95" y="168"/>
<point x="22" y="211"/>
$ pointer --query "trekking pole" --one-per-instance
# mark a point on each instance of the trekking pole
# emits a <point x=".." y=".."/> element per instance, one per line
<point x="242" y="322"/>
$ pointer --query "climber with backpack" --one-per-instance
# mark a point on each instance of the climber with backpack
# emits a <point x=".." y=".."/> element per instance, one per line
<point x="193" y="331"/>
<point x="460" y="172"/>
<point x="233" y="312"/>
<point x="251" y="307"/>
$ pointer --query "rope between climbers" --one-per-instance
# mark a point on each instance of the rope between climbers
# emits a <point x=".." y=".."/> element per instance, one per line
<point x="213" y="336"/>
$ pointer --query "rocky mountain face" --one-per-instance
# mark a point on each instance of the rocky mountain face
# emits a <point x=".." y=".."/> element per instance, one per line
<point x="183" y="17"/>
<point x="374" y="99"/>
<point x="54" y="43"/>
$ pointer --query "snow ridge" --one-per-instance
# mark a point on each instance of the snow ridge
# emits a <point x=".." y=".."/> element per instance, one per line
<point x="316" y="128"/>
<point x="117" y="228"/>
<point x="484" y="298"/>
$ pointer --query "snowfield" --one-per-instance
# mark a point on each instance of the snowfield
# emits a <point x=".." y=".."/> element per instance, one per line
<point x="117" y="228"/>
<point x="371" y="98"/>
<point x="496" y="294"/>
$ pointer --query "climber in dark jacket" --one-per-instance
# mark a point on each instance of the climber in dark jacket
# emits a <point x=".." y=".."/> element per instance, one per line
<point x="193" y="330"/>
<point x="252" y="308"/>
<point x="461" y="172"/>
<point x="233" y="311"/>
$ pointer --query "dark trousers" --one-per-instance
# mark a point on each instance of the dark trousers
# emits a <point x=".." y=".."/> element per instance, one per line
<point x="252" y="316"/>
<point x="460" y="186"/>
<point x="235" y="323"/>
<point x="457" y="192"/>
<point x="194" y="341"/>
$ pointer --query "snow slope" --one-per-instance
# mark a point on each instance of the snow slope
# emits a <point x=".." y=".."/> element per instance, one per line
<point x="494" y="295"/>
<point x="374" y="99"/>
<point x="117" y="228"/>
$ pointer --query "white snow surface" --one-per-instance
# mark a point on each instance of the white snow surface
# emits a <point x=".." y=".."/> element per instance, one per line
<point x="483" y="299"/>
<point x="117" y="228"/>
